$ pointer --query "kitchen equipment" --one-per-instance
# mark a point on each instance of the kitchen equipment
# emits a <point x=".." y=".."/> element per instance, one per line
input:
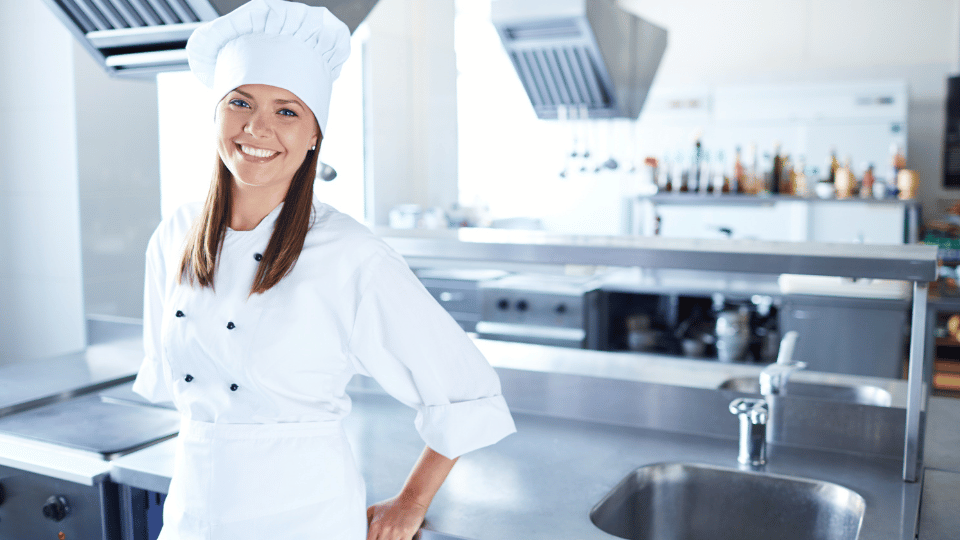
<point x="733" y="334"/>
<point x="536" y="308"/>
<point x="458" y="291"/>
<point x="144" y="38"/>
<point x="325" y="172"/>
<point x="581" y="53"/>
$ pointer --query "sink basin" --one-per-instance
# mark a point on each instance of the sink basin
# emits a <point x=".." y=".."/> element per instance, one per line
<point x="862" y="394"/>
<point x="674" y="501"/>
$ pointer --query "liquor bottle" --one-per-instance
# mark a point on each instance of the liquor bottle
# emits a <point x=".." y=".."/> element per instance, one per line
<point x="801" y="186"/>
<point x="832" y="166"/>
<point x="696" y="181"/>
<point x="663" y="174"/>
<point x="718" y="178"/>
<point x="682" y="174"/>
<point x="706" y="182"/>
<point x="787" y="175"/>
<point x="739" y="174"/>
<point x="777" y="171"/>
<point x="765" y="174"/>
<point x="866" y="185"/>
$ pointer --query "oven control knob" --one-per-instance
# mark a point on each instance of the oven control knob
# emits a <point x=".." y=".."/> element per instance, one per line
<point x="561" y="309"/>
<point x="503" y="304"/>
<point x="56" y="508"/>
<point x="522" y="305"/>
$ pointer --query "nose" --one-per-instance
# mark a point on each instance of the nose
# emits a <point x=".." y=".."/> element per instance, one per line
<point x="258" y="124"/>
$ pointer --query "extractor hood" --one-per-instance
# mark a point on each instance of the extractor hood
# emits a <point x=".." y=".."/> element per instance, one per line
<point x="145" y="37"/>
<point x="587" y="55"/>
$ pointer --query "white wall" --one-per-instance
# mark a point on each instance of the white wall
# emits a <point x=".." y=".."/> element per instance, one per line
<point x="512" y="160"/>
<point x="410" y="78"/>
<point x="119" y="183"/>
<point x="41" y="289"/>
<point x="757" y="41"/>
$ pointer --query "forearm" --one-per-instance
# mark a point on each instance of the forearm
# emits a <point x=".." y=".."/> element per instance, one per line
<point x="427" y="476"/>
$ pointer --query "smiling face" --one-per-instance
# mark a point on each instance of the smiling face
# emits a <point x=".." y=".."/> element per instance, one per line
<point x="263" y="135"/>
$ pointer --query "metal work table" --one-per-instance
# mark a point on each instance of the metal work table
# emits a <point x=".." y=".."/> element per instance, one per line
<point x="914" y="263"/>
<point x="541" y="482"/>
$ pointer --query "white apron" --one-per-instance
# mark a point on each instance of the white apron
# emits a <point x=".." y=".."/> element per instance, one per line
<point x="268" y="481"/>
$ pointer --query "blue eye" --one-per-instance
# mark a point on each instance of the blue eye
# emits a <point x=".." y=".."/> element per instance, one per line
<point x="239" y="103"/>
<point x="287" y="112"/>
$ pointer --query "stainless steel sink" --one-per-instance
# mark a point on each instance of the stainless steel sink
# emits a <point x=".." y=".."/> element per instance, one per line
<point x="674" y="501"/>
<point x="862" y="394"/>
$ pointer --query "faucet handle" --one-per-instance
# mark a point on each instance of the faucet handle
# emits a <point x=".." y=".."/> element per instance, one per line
<point x="756" y="410"/>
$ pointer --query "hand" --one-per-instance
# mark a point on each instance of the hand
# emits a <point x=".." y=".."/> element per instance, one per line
<point x="398" y="518"/>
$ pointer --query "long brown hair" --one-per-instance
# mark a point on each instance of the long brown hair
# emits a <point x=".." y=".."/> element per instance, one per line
<point x="203" y="245"/>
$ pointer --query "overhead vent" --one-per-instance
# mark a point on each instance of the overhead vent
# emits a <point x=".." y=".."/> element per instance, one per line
<point x="141" y="38"/>
<point x="588" y="55"/>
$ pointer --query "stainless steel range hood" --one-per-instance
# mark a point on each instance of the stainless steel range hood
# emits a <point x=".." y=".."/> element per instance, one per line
<point x="589" y="55"/>
<point x="145" y="37"/>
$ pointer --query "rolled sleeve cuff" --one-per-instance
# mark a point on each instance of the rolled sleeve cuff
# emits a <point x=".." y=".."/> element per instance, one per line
<point x="458" y="428"/>
<point x="150" y="382"/>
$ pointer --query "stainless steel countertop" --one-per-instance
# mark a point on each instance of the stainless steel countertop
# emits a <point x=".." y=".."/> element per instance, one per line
<point x="541" y="482"/>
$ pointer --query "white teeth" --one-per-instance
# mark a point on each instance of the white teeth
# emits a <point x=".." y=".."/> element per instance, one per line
<point x="256" y="152"/>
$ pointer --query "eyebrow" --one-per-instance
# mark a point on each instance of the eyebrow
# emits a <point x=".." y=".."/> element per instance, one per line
<point x="277" y="101"/>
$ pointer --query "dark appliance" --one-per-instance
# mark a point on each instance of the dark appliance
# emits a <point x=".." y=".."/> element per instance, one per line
<point x="544" y="309"/>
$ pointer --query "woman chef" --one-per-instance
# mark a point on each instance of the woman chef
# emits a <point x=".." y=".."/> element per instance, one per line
<point x="262" y="303"/>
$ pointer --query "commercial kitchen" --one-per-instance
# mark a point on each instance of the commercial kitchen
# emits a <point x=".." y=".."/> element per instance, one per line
<point x="709" y="247"/>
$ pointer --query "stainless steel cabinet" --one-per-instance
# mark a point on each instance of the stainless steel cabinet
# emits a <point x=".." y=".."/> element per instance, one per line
<point x="857" y="336"/>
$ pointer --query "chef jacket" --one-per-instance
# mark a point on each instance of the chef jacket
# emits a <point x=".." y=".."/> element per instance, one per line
<point x="260" y="379"/>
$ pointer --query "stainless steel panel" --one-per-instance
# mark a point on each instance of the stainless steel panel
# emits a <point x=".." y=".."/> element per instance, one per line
<point x="906" y="262"/>
<point x="93" y="509"/>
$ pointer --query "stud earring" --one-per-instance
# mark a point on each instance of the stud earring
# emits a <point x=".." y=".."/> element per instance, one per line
<point x="314" y="147"/>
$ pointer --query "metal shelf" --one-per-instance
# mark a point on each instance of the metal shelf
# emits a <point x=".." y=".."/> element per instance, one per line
<point x="901" y="261"/>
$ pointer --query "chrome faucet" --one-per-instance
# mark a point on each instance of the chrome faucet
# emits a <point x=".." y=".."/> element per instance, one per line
<point x="773" y="378"/>
<point x="753" y="415"/>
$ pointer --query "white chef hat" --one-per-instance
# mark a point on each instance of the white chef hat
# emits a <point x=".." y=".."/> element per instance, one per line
<point x="284" y="44"/>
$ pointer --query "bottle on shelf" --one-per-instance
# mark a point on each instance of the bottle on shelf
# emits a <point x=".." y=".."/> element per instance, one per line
<point x="844" y="181"/>
<point x="738" y="180"/>
<point x="776" y="170"/>
<point x="706" y="182"/>
<point x="752" y="179"/>
<point x="897" y="163"/>
<point x="787" y="175"/>
<point x="765" y="174"/>
<point x="663" y="174"/>
<point x="718" y="178"/>
<point x="681" y="174"/>
<point x="801" y="186"/>
<point x="832" y="165"/>
<point x="866" y="185"/>
<point x="696" y="181"/>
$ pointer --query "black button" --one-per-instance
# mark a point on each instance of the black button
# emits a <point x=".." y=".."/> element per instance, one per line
<point x="179" y="313"/>
<point x="257" y="256"/>
<point x="188" y="378"/>
<point x="234" y="387"/>
<point x="231" y="326"/>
